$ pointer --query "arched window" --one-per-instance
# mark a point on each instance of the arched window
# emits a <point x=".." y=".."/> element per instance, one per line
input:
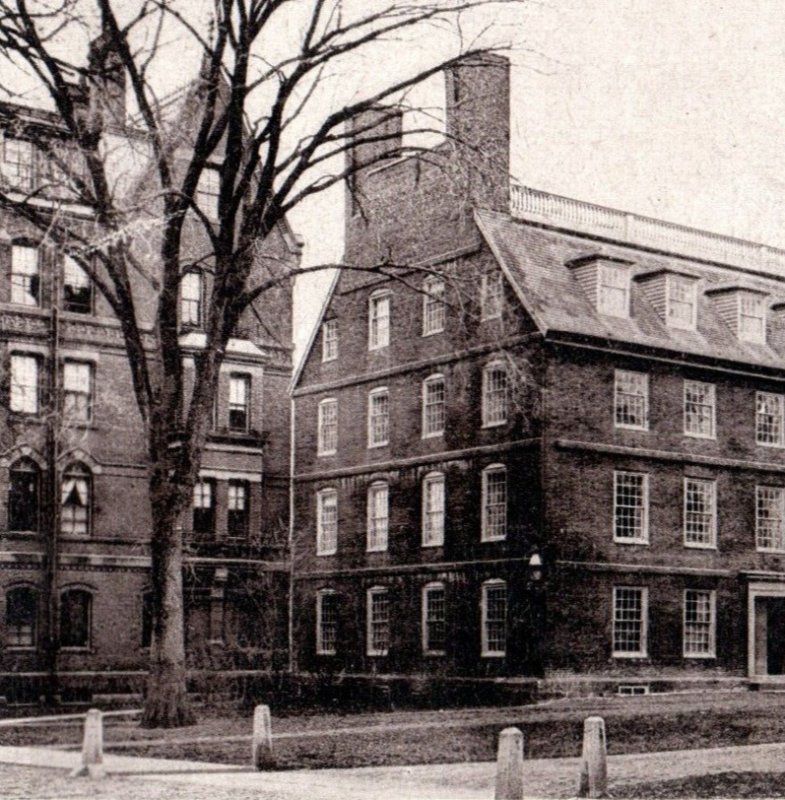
<point x="76" y="500"/>
<point x="21" y="616"/>
<point x="23" y="496"/>
<point x="76" y="606"/>
<point x="433" y="510"/>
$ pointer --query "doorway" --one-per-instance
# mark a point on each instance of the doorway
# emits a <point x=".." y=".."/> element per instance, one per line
<point x="767" y="632"/>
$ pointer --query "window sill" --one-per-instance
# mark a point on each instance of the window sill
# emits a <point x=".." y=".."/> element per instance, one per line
<point x="377" y="653"/>
<point x="491" y="318"/>
<point x="86" y="649"/>
<point x="377" y="348"/>
<point x="377" y="445"/>
<point x="326" y="453"/>
<point x="437" y="435"/>
<point x="21" y="648"/>
<point x="328" y="653"/>
<point x="779" y="551"/>
<point x="375" y="549"/>
<point x="630" y="541"/>
<point x="493" y="654"/>
<point x="322" y="554"/>
<point x="623" y="427"/>
<point x="26" y="534"/>
<point x="769" y="444"/>
<point x="709" y="437"/>
<point x="328" y="360"/>
<point x="426" y="334"/>
<point x="435" y="653"/>
<point x="485" y="539"/>
<point x="431" y="545"/>
<point x="700" y="656"/>
<point x="697" y="546"/>
<point x="630" y="655"/>
<point x="487" y="425"/>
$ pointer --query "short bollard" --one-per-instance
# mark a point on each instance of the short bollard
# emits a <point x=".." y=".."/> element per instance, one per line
<point x="262" y="741"/>
<point x="92" y="747"/>
<point x="509" y="765"/>
<point x="594" y="764"/>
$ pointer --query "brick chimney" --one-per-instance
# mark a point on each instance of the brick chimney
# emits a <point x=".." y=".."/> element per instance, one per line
<point x="106" y="83"/>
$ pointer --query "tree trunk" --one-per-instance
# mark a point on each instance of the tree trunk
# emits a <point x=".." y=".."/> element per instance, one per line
<point x="166" y="703"/>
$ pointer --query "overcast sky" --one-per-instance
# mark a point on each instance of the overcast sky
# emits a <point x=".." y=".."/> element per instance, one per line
<point x="671" y="108"/>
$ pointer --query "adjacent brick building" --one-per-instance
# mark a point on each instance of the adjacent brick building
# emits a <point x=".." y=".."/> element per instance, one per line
<point x="73" y="461"/>
<point x="553" y="448"/>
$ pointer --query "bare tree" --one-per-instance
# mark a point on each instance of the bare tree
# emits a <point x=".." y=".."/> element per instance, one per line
<point x="257" y="111"/>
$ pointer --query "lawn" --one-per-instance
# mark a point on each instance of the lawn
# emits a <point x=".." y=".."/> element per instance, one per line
<point x="722" y="785"/>
<point x="634" y="724"/>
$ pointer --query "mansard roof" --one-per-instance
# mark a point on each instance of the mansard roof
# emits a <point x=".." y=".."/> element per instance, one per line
<point x="536" y="259"/>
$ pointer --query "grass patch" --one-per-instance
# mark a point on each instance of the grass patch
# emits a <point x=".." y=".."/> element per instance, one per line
<point x="723" y="784"/>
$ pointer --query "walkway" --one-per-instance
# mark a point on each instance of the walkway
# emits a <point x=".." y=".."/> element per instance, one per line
<point x="132" y="778"/>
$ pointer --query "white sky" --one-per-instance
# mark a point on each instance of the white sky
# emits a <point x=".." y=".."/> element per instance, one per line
<point x="671" y="108"/>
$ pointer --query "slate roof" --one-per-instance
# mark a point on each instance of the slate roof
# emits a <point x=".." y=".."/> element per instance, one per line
<point x="534" y="260"/>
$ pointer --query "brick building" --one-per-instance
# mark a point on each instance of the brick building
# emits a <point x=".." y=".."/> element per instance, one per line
<point x="554" y="450"/>
<point x="74" y="521"/>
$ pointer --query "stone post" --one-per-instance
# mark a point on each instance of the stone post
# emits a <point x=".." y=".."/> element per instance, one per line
<point x="594" y="765"/>
<point x="92" y="747"/>
<point x="509" y="765"/>
<point x="262" y="741"/>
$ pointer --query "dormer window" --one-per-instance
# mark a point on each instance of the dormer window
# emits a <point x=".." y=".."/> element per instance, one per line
<point x="613" y="290"/>
<point x="752" y="318"/>
<point x="681" y="308"/>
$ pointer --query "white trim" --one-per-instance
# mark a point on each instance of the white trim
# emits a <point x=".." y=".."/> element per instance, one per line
<point x="427" y="295"/>
<point x="319" y="423"/>
<point x="491" y="469"/>
<point x="494" y="366"/>
<point x="320" y="649"/>
<point x="374" y="591"/>
<point x="644" y="622"/>
<point x="485" y="651"/>
<point x="781" y="403"/>
<point x="498" y="276"/>
<point x="644" y="537"/>
<point x="756" y="589"/>
<point x="428" y="480"/>
<point x="437" y="376"/>
<point x="433" y="585"/>
<point x="379" y="294"/>
<point x="377" y="392"/>
<point x="692" y="284"/>
<point x="712" y="545"/>
<point x="713" y="387"/>
<point x="781" y="490"/>
<point x="627" y="425"/>
<point x="217" y="473"/>
<point x="373" y="489"/>
<point x="321" y="496"/>
<point x="323" y="328"/>
<point x="712" y="652"/>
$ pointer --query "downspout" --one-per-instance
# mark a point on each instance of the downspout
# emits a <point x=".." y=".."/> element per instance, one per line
<point x="292" y="658"/>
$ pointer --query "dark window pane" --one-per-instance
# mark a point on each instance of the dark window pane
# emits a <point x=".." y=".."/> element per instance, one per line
<point x="237" y="512"/>
<point x="204" y="508"/>
<point x="23" y="498"/>
<point x="75" y="619"/>
<point x="20" y="617"/>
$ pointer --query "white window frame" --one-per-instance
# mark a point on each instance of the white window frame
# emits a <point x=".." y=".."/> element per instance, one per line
<point x="674" y="284"/>
<point x="196" y="277"/>
<point x="778" y="493"/>
<point x="434" y="309"/>
<point x="712" y="496"/>
<point x="756" y="310"/>
<point x="709" y="403"/>
<point x="377" y="534"/>
<point x="370" y="649"/>
<point x="329" y="340"/>
<point x="711" y="650"/>
<point x="643" y="650"/>
<point x="379" y="324"/>
<point x="208" y="191"/>
<point x="486" y="535"/>
<point x="486" y="651"/>
<point x="326" y="540"/>
<point x="488" y="391"/>
<point x="491" y="295"/>
<point x="433" y="536"/>
<point x="22" y="174"/>
<point x="69" y="367"/>
<point x="621" y="391"/>
<point x="643" y="538"/>
<point x="321" y="650"/>
<point x="380" y="391"/>
<point x="321" y="439"/>
<point x="427" y="384"/>
<point x="25" y="397"/>
<point x="25" y="266"/>
<point x="434" y="586"/>
<point x="606" y="284"/>
<point x="780" y="413"/>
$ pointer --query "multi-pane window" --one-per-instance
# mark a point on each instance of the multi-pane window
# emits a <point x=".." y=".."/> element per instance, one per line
<point x="75" y="618"/>
<point x="434" y="619"/>
<point x="491" y="295"/>
<point x="630" y="613"/>
<point x="326" y="522"/>
<point x="630" y="507"/>
<point x="24" y="390"/>
<point x="433" y="402"/>
<point x="699" y="626"/>
<point x="77" y="288"/>
<point x="494" y="618"/>
<point x="76" y="501"/>
<point x="207" y="192"/>
<point x="191" y="291"/>
<point x="769" y="427"/>
<point x="25" y="276"/>
<point x="494" y="395"/>
<point x="433" y="510"/>
<point x="379" y="320"/>
<point x="681" y="306"/>
<point x="494" y="503"/>
<point x="378" y="417"/>
<point x="326" y="622"/>
<point x="18" y="167"/>
<point x="700" y="512"/>
<point x="239" y="402"/>
<point x="752" y="318"/>
<point x="78" y="390"/>
<point x="330" y="340"/>
<point x="613" y="290"/>
<point x="378" y="643"/>
<point x="237" y="509"/>
<point x="23" y="504"/>
<point x="770" y="518"/>
<point x="699" y="409"/>
<point x="378" y="516"/>
<point x="204" y="507"/>
<point x="21" y="615"/>
<point x="631" y="399"/>
<point x="328" y="427"/>
<point x="433" y="306"/>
